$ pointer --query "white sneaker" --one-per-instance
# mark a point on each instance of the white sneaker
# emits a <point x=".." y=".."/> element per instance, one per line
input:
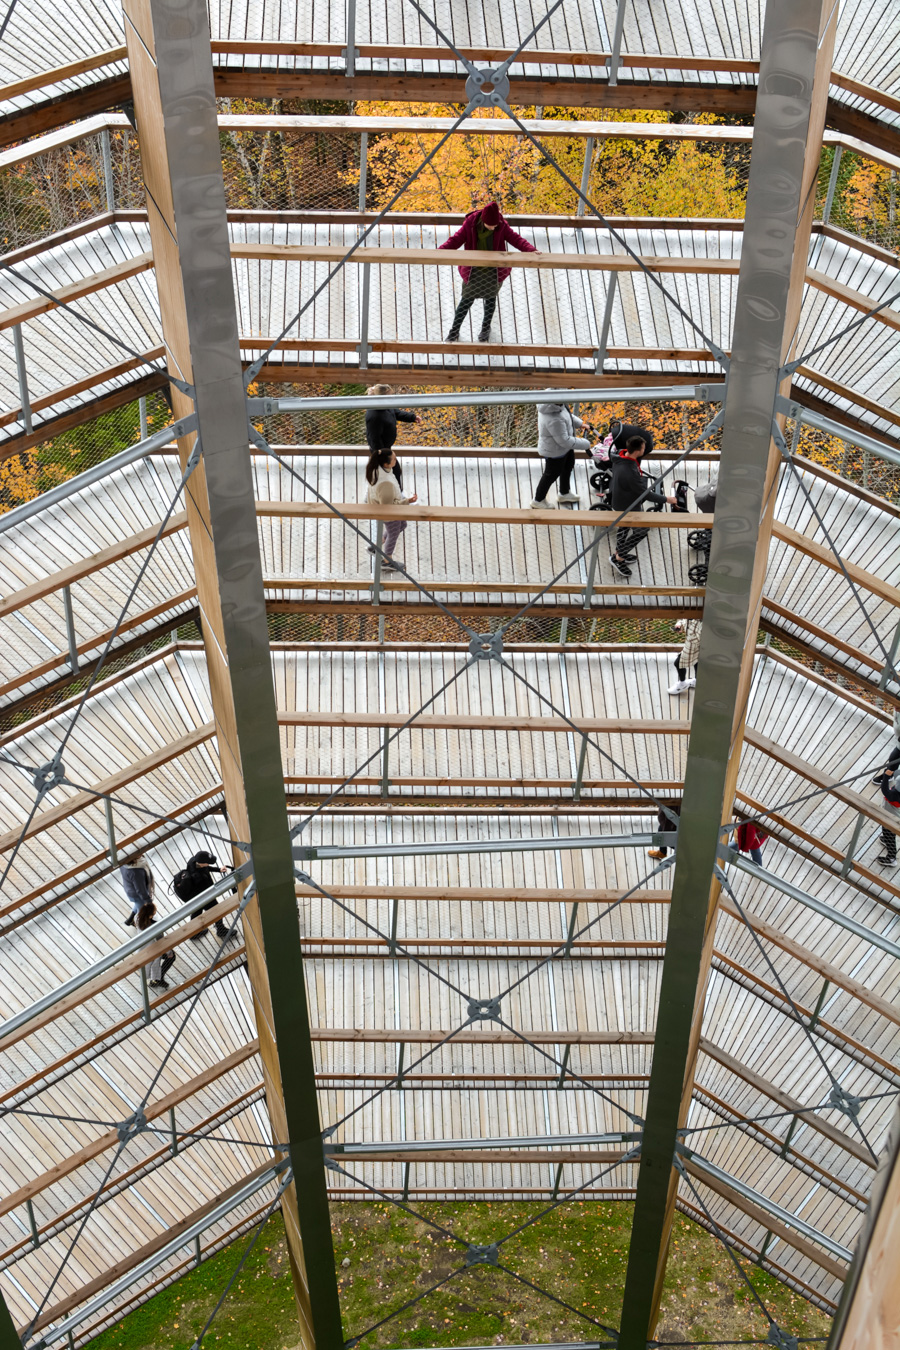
<point x="540" y="506"/>
<point x="692" y="683"/>
<point x="680" y="688"/>
<point x="568" y="497"/>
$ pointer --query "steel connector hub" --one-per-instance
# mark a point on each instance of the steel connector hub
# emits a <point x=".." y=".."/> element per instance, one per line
<point x="484" y="1010"/>
<point x="488" y="88"/>
<point x="482" y="1256"/>
<point x="132" y="1126"/>
<point x="48" y="776"/>
<point x="486" y="646"/>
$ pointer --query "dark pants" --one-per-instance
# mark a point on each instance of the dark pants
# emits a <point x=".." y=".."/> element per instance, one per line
<point x="893" y="759"/>
<point x="628" y="540"/>
<point x="483" y="284"/>
<point x="888" y="843"/>
<point x="392" y="532"/>
<point x="682" y="673"/>
<point x="558" y="468"/>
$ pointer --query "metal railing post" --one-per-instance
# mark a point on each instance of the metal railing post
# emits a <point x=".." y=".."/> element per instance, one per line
<point x="603" y="344"/>
<point x="853" y="845"/>
<point x="363" y="168"/>
<point x="563" y="1066"/>
<point x="174" y="1130"/>
<point x="892" y="657"/>
<point x="579" y="772"/>
<point x="395" y="910"/>
<point x="142" y="413"/>
<point x="385" y="758"/>
<point x="107" y="170"/>
<point x="145" y="994"/>
<point x="563" y="629"/>
<point x="832" y="184"/>
<point x="400" y="1057"/>
<point x="615" y="58"/>
<point x="350" y="53"/>
<point x="585" y="174"/>
<point x="70" y="628"/>
<point x="32" y="1223"/>
<point x="406" y="1167"/>
<point x="111" y="832"/>
<point x="826" y="985"/>
<point x="22" y="376"/>
<point x="558" y="1179"/>
<point x="376" y="579"/>
<point x="570" y="935"/>
<point x="363" y="348"/>
<point x="197" y="1253"/>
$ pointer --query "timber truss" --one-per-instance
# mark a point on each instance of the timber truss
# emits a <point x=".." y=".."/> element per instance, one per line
<point x="494" y="992"/>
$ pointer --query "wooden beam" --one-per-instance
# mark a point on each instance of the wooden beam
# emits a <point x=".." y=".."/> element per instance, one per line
<point x="95" y="281"/>
<point x="826" y="781"/>
<point x="52" y="427"/>
<point x="57" y="74"/>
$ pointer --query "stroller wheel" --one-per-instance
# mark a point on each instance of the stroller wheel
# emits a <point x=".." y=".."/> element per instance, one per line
<point x="698" y="574"/>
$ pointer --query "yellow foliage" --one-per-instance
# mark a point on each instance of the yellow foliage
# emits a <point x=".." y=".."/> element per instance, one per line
<point x="662" y="178"/>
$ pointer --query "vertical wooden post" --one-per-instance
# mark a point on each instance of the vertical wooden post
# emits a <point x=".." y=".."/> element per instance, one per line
<point x="795" y="67"/>
<point x="172" y="79"/>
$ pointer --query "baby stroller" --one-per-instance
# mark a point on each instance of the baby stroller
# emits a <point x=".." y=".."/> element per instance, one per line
<point x="701" y="540"/>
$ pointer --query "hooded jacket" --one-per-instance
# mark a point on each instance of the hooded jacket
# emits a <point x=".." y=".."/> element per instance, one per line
<point x="467" y="237"/>
<point x="556" y="430"/>
<point x="622" y="433"/>
<point x="137" y="883"/>
<point x="628" y="484"/>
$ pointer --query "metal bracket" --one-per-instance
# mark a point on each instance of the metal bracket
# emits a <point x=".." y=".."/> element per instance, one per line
<point x="482" y="1256"/>
<point x="302" y="877"/>
<point x="48" y="776"/>
<point x="484" y="1010"/>
<point x="135" y="1124"/>
<point x="487" y="646"/>
<point x="496" y="80"/>
<point x="844" y="1101"/>
<point x="780" y="1338"/>
<point x="304" y="853"/>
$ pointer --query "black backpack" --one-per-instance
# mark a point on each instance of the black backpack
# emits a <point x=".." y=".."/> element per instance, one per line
<point x="181" y="885"/>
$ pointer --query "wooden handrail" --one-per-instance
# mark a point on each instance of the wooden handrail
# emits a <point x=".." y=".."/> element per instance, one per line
<point x="45" y="78"/>
<point x="96" y="281"/>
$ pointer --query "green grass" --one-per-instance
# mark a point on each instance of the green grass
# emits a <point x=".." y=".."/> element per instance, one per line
<point x="578" y="1253"/>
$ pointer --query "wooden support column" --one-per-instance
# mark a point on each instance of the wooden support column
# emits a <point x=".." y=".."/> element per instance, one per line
<point x="171" y="70"/>
<point x="869" y="1313"/>
<point x="795" y="67"/>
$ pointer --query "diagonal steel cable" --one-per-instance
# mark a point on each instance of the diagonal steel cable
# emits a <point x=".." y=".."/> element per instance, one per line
<point x="7" y="17"/>
<point x="608" y="529"/>
<point x="791" y="367"/>
<point x="569" y="1072"/>
<point x="54" y="764"/>
<point x="253" y="370"/>
<point x="682" y="1172"/>
<point x="562" y="1303"/>
<point x="355" y="1340"/>
<point x="334" y="1166"/>
<point x="396" y="1080"/>
<point x="775" y="1115"/>
<point x="836" y="1087"/>
<point x="628" y="1157"/>
<point x="307" y="880"/>
<point x="388" y="741"/>
<point x="716" y="351"/>
<point x="789" y="459"/>
<point x="158" y="815"/>
<point x="71" y="309"/>
<point x="260" y="441"/>
<point x="817" y="792"/>
<point x="133" y="1119"/>
<point x="244" y="1257"/>
<point x="620" y="768"/>
<point x="567" y="942"/>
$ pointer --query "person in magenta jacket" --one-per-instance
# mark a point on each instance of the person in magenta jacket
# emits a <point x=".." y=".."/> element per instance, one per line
<point x="483" y="229"/>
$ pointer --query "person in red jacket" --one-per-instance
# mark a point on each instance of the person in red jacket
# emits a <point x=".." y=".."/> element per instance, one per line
<point x="488" y="230"/>
<point x="750" y="839"/>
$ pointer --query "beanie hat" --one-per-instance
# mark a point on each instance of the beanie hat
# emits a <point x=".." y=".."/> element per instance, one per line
<point x="490" y="216"/>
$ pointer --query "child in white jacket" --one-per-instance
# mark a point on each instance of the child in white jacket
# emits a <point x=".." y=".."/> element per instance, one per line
<point x="384" y="490"/>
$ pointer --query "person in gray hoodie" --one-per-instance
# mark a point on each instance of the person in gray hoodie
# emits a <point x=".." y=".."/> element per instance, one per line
<point x="557" y="444"/>
<point x="137" y="883"/>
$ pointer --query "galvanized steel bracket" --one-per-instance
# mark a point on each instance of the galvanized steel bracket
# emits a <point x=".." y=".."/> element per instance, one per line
<point x="484" y="1010"/>
<point x="488" y="88"/>
<point x="482" y="1256"/>
<point x="487" y="646"/>
<point x="135" y="1124"/>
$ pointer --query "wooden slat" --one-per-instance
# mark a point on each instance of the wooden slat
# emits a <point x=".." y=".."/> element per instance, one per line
<point x="44" y="78"/>
<point x="506" y="515"/>
<point x="96" y="281"/>
<point x="457" y="722"/>
<point x="822" y="554"/>
<point x="855" y="800"/>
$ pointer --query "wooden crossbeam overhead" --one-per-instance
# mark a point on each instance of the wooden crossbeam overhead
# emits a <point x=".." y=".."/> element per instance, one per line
<point x="171" y="72"/>
<point x="797" y="50"/>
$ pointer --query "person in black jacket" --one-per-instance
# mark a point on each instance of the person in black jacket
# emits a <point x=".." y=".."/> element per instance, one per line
<point x="381" y="425"/>
<point x="628" y="486"/>
<point x="891" y="793"/>
<point x="193" y="880"/>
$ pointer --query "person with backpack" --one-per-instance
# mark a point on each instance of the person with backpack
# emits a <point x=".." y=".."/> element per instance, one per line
<point x="381" y="426"/>
<point x="162" y="963"/>
<point x="629" y="485"/>
<point x="137" y="883"/>
<point x="383" y="490"/>
<point x="485" y="229"/>
<point x="620" y="433"/>
<point x="557" y="444"/>
<point x="891" y="793"/>
<point x="750" y="839"/>
<point x="193" y="880"/>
